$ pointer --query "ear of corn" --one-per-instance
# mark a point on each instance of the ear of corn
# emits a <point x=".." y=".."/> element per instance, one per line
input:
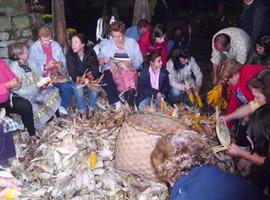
<point x="162" y="104"/>
<point x="199" y="100"/>
<point x="214" y="98"/>
<point x="191" y="97"/>
<point x="92" y="160"/>
<point x="11" y="193"/>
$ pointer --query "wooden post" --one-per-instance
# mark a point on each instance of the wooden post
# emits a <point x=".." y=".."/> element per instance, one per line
<point x="59" y="23"/>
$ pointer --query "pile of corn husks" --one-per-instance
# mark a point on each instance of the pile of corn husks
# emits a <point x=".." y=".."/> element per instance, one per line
<point x="58" y="166"/>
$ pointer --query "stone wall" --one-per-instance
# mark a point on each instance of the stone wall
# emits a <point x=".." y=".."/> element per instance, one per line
<point x="17" y="28"/>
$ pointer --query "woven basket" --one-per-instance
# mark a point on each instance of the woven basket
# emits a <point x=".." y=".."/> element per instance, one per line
<point x="137" y="139"/>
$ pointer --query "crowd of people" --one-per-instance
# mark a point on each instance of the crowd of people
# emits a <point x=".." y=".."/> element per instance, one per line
<point x="147" y="64"/>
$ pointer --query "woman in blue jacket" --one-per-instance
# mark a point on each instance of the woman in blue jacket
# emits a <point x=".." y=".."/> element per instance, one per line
<point x="153" y="83"/>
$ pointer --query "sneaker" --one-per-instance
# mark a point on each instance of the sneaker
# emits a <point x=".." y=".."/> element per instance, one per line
<point x="63" y="110"/>
<point x="118" y="106"/>
<point x="122" y="97"/>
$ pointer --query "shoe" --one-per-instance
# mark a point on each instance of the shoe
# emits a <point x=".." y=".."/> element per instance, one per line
<point x="83" y="116"/>
<point x="90" y="114"/>
<point x="122" y="97"/>
<point x="63" y="110"/>
<point x="118" y="106"/>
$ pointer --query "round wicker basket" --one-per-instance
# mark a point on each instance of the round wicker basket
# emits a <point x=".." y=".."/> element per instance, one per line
<point x="137" y="139"/>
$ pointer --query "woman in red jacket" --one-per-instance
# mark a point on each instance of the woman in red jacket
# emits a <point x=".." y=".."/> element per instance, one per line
<point x="237" y="77"/>
<point x="154" y="41"/>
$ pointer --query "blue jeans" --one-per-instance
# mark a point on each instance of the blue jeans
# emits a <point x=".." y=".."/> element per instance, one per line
<point x="66" y="92"/>
<point x="79" y="96"/>
<point x="176" y="96"/>
<point x="146" y="102"/>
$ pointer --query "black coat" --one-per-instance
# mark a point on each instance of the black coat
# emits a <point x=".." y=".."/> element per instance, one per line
<point x="145" y="89"/>
<point x="254" y="19"/>
<point x="77" y="67"/>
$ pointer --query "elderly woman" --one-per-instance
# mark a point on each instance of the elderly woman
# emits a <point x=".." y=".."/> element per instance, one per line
<point x="120" y="57"/>
<point x="14" y="103"/>
<point x="82" y="61"/>
<point x="153" y="83"/>
<point x="262" y="52"/>
<point x="185" y="161"/>
<point x="182" y="67"/>
<point x="48" y="56"/>
<point x="45" y="100"/>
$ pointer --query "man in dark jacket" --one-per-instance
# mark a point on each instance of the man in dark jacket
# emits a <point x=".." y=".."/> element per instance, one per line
<point x="254" y="18"/>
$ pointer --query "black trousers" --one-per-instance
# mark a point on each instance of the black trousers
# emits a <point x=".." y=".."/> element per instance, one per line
<point x="22" y="107"/>
<point x="110" y="87"/>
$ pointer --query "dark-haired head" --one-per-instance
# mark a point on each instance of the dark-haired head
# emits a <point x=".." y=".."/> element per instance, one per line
<point x="180" y="58"/>
<point x="158" y="33"/>
<point x="152" y="56"/>
<point x="261" y="83"/>
<point x="109" y="11"/>
<point x="78" y="42"/>
<point x="259" y="129"/>
<point x="222" y="42"/>
<point x="263" y="45"/>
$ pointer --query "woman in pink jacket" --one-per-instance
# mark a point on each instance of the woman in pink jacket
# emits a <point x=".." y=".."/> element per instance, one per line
<point x="14" y="103"/>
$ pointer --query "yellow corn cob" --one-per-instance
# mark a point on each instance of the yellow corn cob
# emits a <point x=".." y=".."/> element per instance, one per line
<point x="162" y="104"/>
<point x="11" y="193"/>
<point x="214" y="95"/>
<point x="198" y="100"/>
<point x="92" y="162"/>
<point x="191" y="97"/>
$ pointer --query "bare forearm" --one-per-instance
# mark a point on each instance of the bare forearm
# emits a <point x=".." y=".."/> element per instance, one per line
<point x="254" y="158"/>
<point x="241" y="112"/>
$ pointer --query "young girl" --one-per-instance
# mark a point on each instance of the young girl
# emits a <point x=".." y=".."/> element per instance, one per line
<point x="82" y="60"/>
<point x="155" y="41"/>
<point x="182" y="67"/>
<point x="153" y="82"/>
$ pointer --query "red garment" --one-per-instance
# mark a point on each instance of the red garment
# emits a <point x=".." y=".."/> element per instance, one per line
<point x="146" y="47"/>
<point x="5" y="75"/>
<point x="247" y="72"/>
<point x="48" y="53"/>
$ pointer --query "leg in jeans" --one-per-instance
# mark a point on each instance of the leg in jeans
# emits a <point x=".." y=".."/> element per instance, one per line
<point x="22" y="107"/>
<point x="176" y="96"/>
<point x="144" y="103"/>
<point x="110" y="87"/>
<point x="79" y="96"/>
<point x="92" y="98"/>
<point x="66" y="92"/>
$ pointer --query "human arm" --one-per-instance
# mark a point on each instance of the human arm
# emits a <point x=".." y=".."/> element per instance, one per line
<point x="235" y="151"/>
<point x="197" y="73"/>
<point x="239" y="113"/>
<point x="137" y="55"/>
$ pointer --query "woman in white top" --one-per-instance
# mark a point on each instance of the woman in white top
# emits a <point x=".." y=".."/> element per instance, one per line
<point x="109" y="15"/>
<point x="182" y="69"/>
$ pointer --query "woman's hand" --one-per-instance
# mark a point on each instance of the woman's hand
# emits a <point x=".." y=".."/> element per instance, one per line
<point x="235" y="151"/>
<point x="79" y="80"/>
<point x="224" y="118"/>
<point x="159" y="95"/>
<point x="104" y="60"/>
<point x="14" y="84"/>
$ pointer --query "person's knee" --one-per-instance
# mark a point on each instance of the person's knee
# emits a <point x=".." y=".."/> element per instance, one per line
<point x="27" y="107"/>
<point x="175" y="92"/>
